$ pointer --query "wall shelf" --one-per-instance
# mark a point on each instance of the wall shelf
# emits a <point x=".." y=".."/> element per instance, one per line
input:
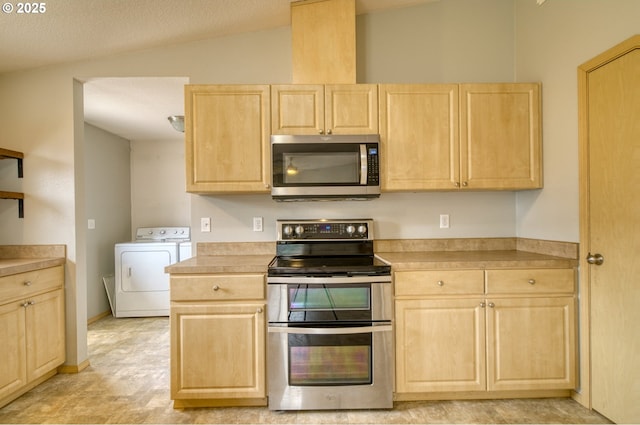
<point x="8" y="154"/>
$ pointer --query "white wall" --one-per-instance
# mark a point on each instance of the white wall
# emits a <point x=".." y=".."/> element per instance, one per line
<point x="108" y="203"/>
<point x="552" y="40"/>
<point x="441" y="42"/>
<point x="158" y="196"/>
<point x="397" y="215"/>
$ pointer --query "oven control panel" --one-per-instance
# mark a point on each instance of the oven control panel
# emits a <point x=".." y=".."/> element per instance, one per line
<point x="361" y="229"/>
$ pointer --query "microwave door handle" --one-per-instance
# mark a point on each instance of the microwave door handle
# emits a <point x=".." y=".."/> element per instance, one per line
<point x="363" y="164"/>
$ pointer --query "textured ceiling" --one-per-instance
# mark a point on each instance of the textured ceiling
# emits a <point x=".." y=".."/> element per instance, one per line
<point x="134" y="108"/>
<point x="69" y="30"/>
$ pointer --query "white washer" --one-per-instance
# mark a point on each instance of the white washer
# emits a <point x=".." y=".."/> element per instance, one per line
<point x="141" y="285"/>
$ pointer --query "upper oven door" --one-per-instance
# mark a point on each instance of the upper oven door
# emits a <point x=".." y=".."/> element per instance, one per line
<point x="312" y="162"/>
<point x="316" y="303"/>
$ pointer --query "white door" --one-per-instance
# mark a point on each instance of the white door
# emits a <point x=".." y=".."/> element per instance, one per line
<point x="610" y="227"/>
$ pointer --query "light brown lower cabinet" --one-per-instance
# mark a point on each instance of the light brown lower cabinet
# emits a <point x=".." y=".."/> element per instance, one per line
<point x="513" y="331"/>
<point x="32" y="330"/>
<point x="218" y="329"/>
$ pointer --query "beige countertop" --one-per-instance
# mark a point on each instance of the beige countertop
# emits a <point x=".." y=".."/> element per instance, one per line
<point x="222" y="264"/>
<point x="401" y="254"/>
<point x="16" y="259"/>
<point x="9" y="266"/>
<point x="473" y="260"/>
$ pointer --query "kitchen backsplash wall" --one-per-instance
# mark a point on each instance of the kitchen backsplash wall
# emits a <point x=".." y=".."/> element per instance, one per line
<point x="396" y="215"/>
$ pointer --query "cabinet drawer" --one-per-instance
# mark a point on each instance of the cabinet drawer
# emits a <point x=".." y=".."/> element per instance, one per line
<point x="217" y="287"/>
<point x="439" y="282"/>
<point x="530" y="281"/>
<point x="26" y="284"/>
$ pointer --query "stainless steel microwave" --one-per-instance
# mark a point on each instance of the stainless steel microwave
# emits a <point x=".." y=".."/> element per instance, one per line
<point x="325" y="167"/>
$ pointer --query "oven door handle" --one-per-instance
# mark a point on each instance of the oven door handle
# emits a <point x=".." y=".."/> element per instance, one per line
<point x="330" y="331"/>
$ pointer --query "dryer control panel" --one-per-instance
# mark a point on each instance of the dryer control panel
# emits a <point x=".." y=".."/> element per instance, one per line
<point x="162" y="234"/>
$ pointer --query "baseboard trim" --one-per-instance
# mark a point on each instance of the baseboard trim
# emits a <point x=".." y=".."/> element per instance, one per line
<point x="65" y="368"/>
<point x="98" y="317"/>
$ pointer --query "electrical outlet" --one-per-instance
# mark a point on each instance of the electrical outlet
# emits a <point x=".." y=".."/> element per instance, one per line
<point x="444" y="221"/>
<point x="91" y="224"/>
<point x="205" y="224"/>
<point x="257" y="224"/>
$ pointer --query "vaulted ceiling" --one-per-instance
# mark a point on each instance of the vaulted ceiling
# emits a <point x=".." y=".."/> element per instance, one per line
<point x="71" y="30"/>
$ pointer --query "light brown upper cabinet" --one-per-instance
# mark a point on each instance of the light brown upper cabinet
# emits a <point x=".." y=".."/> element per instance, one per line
<point x="460" y="136"/>
<point x="419" y="136"/>
<point x="324" y="109"/>
<point x="500" y="136"/>
<point x="227" y="138"/>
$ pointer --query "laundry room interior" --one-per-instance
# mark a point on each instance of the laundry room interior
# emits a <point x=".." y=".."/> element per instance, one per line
<point x="135" y="166"/>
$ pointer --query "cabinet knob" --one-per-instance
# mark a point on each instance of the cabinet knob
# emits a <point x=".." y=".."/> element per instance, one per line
<point x="440" y="283"/>
<point x="457" y="184"/>
<point x="596" y="259"/>
<point x="216" y="287"/>
<point x="320" y="132"/>
<point x="25" y="304"/>
<point x="27" y="283"/>
<point x="532" y="281"/>
<point x="483" y="304"/>
<point x="259" y="310"/>
<point x="492" y="305"/>
<point x="465" y="184"/>
<point x="328" y="131"/>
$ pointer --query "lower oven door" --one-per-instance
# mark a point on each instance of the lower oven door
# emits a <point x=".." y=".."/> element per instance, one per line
<point x="347" y="367"/>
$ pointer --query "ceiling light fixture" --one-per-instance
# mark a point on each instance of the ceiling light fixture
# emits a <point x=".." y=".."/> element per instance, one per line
<point x="177" y="121"/>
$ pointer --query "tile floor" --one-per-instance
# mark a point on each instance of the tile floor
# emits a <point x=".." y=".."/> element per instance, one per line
<point x="128" y="382"/>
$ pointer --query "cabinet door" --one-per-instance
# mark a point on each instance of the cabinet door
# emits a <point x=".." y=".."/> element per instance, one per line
<point x="419" y="136"/>
<point x="13" y="368"/>
<point x="531" y="343"/>
<point x="500" y="145"/>
<point x="218" y="351"/>
<point x="297" y="109"/>
<point x="440" y="345"/>
<point x="45" y="324"/>
<point x="227" y="138"/>
<point x="351" y="109"/>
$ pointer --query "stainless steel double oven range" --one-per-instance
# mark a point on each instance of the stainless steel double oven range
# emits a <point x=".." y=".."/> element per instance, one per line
<point x="330" y="318"/>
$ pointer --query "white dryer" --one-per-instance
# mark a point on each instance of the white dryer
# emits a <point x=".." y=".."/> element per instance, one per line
<point x="141" y="285"/>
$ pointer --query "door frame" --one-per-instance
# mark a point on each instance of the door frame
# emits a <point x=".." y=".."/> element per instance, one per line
<point x="584" y="396"/>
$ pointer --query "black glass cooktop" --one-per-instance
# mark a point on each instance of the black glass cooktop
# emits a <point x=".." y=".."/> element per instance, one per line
<point x="342" y="265"/>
